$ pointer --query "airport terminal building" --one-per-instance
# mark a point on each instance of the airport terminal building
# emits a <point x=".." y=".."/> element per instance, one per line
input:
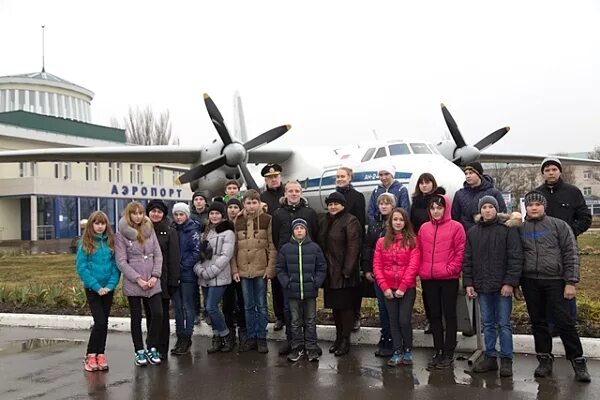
<point x="42" y="201"/>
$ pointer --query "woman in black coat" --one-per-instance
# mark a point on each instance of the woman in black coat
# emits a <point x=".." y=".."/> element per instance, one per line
<point x="340" y="239"/>
<point x="426" y="187"/>
<point x="169" y="279"/>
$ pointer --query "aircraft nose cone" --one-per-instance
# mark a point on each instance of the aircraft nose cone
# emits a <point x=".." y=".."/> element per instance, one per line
<point x="234" y="153"/>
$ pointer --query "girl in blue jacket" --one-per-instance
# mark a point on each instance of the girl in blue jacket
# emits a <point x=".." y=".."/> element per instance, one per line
<point x="97" y="269"/>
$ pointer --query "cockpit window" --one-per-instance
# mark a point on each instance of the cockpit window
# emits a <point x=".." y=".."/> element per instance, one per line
<point x="368" y="154"/>
<point x="399" y="149"/>
<point x="380" y="152"/>
<point x="420" y="148"/>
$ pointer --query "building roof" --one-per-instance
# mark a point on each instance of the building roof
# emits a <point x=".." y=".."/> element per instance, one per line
<point x="45" y="78"/>
<point x="63" y="126"/>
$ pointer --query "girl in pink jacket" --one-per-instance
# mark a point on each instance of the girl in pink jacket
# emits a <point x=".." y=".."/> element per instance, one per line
<point x="395" y="265"/>
<point x="442" y="244"/>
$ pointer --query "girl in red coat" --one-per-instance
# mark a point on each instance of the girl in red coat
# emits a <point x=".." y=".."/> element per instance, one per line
<point x="442" y="244"/>
<point x="395" y="264"/>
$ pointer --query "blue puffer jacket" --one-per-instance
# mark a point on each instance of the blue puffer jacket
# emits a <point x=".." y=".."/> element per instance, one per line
<point x="99" y="269"/>
<point x="465" y="205"/>
<point x="398" y="190"/>
<point x="189" y="246"/>
<point x="301" y="268"/>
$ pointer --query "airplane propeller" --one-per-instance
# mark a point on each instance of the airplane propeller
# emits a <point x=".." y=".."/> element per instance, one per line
<point x="464" y="153"/>
<point x="233" y="154"/>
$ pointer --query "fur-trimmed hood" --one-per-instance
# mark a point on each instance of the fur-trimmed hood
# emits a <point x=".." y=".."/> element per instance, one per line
<point x="223" y="226"/>
<point x="130" y="233"/>
<point x="511" y="220"/>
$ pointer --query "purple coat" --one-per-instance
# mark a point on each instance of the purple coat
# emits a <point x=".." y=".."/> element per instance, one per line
<point x="137" y="260"/>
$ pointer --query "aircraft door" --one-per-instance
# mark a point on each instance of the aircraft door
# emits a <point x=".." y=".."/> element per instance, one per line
<point x="326" y="185"/>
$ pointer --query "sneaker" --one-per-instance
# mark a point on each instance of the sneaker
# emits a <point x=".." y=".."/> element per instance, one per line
<point x="89" y="362"/>
<point x="101" y="361"/>
<point x="435" y="360"/>
<point x="407" y="359"/>
<point x="581" y="371"/>
<point x="140" y="358"/>
<point x="313" y="355"/>
<point x="506" y="367"/>
<point x="296" y="354"/>
<point x="486" y="364"/>
<point x="261" y="346"/>
<point x="447" y="361"/>
<point x="544" y="369"/>
<point x="152" y="356"/>
<point x="395" y="360"/>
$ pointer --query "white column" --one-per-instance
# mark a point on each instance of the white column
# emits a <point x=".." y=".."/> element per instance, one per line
<point x="33" y="216"/>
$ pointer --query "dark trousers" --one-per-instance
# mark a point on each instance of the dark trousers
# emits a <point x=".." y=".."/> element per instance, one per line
<point x="135" y="309"/>
<point x="441" y="299"/>
<point x="165" y="326"/>
<point x="400" y="312"/>
<point x="100" y="308"/>
<point x="233" y="306"/>
<point x="547" y="295"/>
<point x="344" y="321"/>
<point x="304" y="323"/>
<point x="278" y="300"/>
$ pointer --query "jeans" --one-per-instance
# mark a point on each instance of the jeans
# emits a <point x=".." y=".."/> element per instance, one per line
<point x="441" y="301"/>
<point x="400" y="312"/>
<point x="214" y="295"/>
<point x="100" y="308"/>
<point x="255" y="306"/>
<point x="384" y="317"/>
<point x="135" y="308"/>
<point x="304" y="323"/>
<point x="495" y="318"/>
<point x="543" y="296"/>
<point x="185" y="308"/>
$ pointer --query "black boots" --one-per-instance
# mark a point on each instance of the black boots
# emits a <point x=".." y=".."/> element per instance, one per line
<point x="435" y="360"/>
<point x="185" y="342"/>
<point x="217" y="345"/>
<point x="228" y="342"/>
<point x="247" y="345"/>
<point x="486" y="364"/>
<point x="385" y="347"/>
<point x="261" y="346"/>
<point x="506" y="370"/>
<point x="447" y="360"/>
<point x="581" y="371"/>
<point x="343" y="347"/>
<point x="177" y="346"/>
<point x="544" y="368"/>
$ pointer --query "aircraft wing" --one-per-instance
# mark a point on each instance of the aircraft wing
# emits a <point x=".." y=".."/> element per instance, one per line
<point x="137" y="154"/>
<point x="532" y="159"/>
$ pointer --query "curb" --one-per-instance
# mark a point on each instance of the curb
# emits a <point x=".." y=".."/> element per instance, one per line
<point x="522" y="343"/>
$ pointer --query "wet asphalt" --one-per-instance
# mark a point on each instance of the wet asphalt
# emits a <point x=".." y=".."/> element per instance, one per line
<point x="54" y="370"/>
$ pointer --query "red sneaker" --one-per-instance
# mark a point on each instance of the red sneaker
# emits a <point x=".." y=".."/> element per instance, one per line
<point x="90" y="363"/>
<point x="102" y="363"/>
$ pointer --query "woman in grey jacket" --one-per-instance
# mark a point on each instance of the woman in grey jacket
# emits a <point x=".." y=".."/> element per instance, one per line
<point x="214" y="271"/>
<point x="139" y="258"/>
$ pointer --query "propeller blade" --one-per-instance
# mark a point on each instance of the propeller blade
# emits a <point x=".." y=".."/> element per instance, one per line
<point x="250" y="182"/>
<point x="454" y="131"/>
<point x="217" y="120"/>
<point x="267" y="137"/>
<point x="200" y="170"/>
<point x="492" y="138"/>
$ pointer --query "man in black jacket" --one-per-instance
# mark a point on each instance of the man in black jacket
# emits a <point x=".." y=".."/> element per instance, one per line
<point x="565" y="202"/>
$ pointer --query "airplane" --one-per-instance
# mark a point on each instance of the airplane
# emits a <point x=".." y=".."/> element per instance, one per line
<point x="236" y="157"/>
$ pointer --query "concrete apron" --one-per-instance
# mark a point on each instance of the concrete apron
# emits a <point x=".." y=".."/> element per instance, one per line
<point x="522" y="343"/>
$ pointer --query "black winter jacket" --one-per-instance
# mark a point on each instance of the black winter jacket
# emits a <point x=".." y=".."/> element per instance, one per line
<point x="169" y="246"/>
<point x="301" y="268"/>
<point x="272" y="197"/>
<point x="419" y="212"/>
<point x="493" y="255"/>
<point x="283" y="217"/>
<point x="375" y="231"/>
<point x="566" y="202"/>
<point x="355" y="203"/>
<point x="465" y="204"/>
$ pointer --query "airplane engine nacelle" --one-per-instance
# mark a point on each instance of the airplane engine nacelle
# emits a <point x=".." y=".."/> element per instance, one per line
<point x="214" y="183"/>
<point x="446" y="148"/>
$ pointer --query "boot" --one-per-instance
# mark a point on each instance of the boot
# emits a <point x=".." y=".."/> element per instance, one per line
<point x="261" y="346"/>
<point x="385" y="348"/>
<point x="335" y="344"/>
<point x="247" y="345"/>
<point x="217" y="344"/>
<point x="447" y="360"/>
<point x="241" y="333"/>
<point x="581" y="371"/>
<point x="228" y="342"/>
<point x="506" y="367"/>
<point x="486" y="364"/>
<point x="435" y="360"/>
<point x="177" y="347"/>
<point x="184" y="347"/>
<point x="544" y="369"/>
<point x="343" y="348"/>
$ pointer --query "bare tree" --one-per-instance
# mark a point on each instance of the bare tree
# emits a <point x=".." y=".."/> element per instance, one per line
<point x="143" y="127"/>
<point x="595" y="154"/>
<point x="516" y="179"/>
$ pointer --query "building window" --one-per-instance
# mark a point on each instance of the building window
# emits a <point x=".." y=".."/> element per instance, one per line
<point x="135" y="173"/>
<point x="587" y="191"/>
<point x="587" y="174"/>
<point x="62" y="170"/>
<point x="114" y="171"/>
<point x="91" y="171"/>
<point x="158" y="176"/>
<point x="27" y="169"/>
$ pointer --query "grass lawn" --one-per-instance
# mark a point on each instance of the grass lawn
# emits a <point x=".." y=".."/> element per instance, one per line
<point x="49" y="284"/>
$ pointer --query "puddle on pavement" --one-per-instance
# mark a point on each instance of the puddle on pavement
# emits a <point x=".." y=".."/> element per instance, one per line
<point x="37" y="344"/>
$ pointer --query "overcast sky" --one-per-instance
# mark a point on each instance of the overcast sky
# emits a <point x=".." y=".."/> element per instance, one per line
<point x="335" y="70"/>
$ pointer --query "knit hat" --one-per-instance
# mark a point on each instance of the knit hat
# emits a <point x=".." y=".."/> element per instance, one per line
<point x="535" y="196"/>
<point x="551" y="161"/>
<point x="476" y="167"/>
<point x="235" y="201"/>
<point x="181" y="207"/>
<point x="201" y="194"/>
<point x="156" y="203"/>
<point x="299" y="221"/>
<point x="387" y="195"/>
<point x="218" y="206"/>
<point x="389" y="168"/>
<point x="336" y="197"/>
<point x="488" y="200"/>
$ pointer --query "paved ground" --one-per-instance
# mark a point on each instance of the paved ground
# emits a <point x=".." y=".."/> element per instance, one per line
<point x="55" y="372"/>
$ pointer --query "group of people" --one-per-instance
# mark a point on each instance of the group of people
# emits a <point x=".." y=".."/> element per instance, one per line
<point x="229" y="250"/>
